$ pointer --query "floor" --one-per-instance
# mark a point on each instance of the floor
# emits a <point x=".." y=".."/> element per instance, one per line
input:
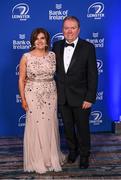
<point x="105" y="160"/>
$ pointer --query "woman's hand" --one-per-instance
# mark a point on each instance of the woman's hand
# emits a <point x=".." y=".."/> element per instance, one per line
<point x="25" y="105"/>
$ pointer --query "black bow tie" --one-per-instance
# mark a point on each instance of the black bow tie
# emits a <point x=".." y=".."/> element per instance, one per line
<point x="67" y="44"/>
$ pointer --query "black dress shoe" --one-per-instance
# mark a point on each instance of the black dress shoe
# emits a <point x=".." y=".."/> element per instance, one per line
<point x="84" y="162"/>
<point x="72" y="157"/>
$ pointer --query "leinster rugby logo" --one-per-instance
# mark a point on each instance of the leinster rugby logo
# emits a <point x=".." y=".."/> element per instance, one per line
<point x="17" y="70"/>
<point x="56" y="37"/>
<point x="21" y="121"/>
<point x="99" y="66"/>
<point x="20" y="11"/>
<point x="96" y="10"/>
<point x="96" y="117"/>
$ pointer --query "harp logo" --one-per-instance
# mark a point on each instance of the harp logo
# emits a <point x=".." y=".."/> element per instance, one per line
<point x="99" y="95"/>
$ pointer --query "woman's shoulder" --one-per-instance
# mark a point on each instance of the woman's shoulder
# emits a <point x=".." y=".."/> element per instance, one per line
<point x="52" y="56"/>
<point x="25" y="57"/>
<point x="51" y="53"/>
<point x="26" y="54"/>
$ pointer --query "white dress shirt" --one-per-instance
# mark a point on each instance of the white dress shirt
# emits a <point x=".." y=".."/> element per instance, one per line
<point x="68" y="53"/>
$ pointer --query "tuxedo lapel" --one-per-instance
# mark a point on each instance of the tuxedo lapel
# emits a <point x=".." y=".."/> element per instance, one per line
<point x="75" y="54"/>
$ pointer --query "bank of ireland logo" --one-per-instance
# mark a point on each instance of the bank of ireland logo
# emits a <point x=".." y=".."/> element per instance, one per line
<point x="56" y="37"/>
<point x="18" y="98"/>
<point x="58" y="13"/>
<point x="96" y="10"/>
<point x="20" y="11"/>
<point x="96" y="117"/>
<point x="99" y="66"/>
<point x="58" y="6"/>
<point x="21" y="121"/>
<point x="96" y="40"/>
<point x="21" y="42"/>
<point x="99" y="95"/>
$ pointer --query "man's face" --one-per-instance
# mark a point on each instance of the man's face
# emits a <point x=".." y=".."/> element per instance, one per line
<point x="70" y="30"/>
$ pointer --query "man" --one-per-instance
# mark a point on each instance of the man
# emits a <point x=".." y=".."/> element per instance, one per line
<point x="76" y="87"/>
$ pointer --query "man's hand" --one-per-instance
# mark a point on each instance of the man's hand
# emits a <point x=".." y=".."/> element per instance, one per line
<point x="86" y="105"/>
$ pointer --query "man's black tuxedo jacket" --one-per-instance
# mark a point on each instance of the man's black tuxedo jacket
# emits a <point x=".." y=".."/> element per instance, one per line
<point x="80" y="82"/>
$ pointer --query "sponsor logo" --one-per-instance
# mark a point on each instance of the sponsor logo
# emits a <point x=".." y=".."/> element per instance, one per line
<point x="20" y="12"/>
<point x="60" y="120"/>
<point x="58" y="13"/>
<point x="21" y="121"/>
<point x="18" y="98"/>
<point x="56" y="37"/>
<point x="17" y="70"/>
<point x="96" y="40"/>
<point x="99" y="66"/>
<point x="96" y="118"/>
<point x="99" y="96"/>
<point x="21" y="42"/>
<point x="58" y="6"/>
<point x="95" y="10"/>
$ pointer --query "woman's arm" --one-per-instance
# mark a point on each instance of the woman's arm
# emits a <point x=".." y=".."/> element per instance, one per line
<point x="22" y="82"/>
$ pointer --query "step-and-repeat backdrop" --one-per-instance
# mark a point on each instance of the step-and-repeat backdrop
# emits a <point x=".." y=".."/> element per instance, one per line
<point x="100" y="25"/>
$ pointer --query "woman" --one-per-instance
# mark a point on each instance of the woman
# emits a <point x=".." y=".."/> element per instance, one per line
<point x="39" y="100"/>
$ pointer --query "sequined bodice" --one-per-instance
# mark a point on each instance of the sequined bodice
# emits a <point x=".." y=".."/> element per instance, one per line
<point x="40" y="68"/>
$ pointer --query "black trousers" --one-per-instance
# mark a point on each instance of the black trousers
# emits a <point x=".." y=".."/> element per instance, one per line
<point x="76" y="127"/>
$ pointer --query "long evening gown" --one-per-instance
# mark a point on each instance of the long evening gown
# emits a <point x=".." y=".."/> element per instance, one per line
<point x="41" y="137"/>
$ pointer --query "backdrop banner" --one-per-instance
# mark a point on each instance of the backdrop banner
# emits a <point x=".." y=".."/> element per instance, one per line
<point x="19" y="18"/>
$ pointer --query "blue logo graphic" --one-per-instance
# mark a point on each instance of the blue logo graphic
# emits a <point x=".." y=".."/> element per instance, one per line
<point x="56" y="37"/>
<point x="20" y="12"/>
<point x="21" y="121"/>
<point x="21" y="9"/>
<point x="99" y="64"/>
<point x="96" y="8"/>
<point x="96" y="117"/>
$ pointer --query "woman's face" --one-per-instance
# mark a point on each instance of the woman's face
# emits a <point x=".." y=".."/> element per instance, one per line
<point x="40" y="42"/>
